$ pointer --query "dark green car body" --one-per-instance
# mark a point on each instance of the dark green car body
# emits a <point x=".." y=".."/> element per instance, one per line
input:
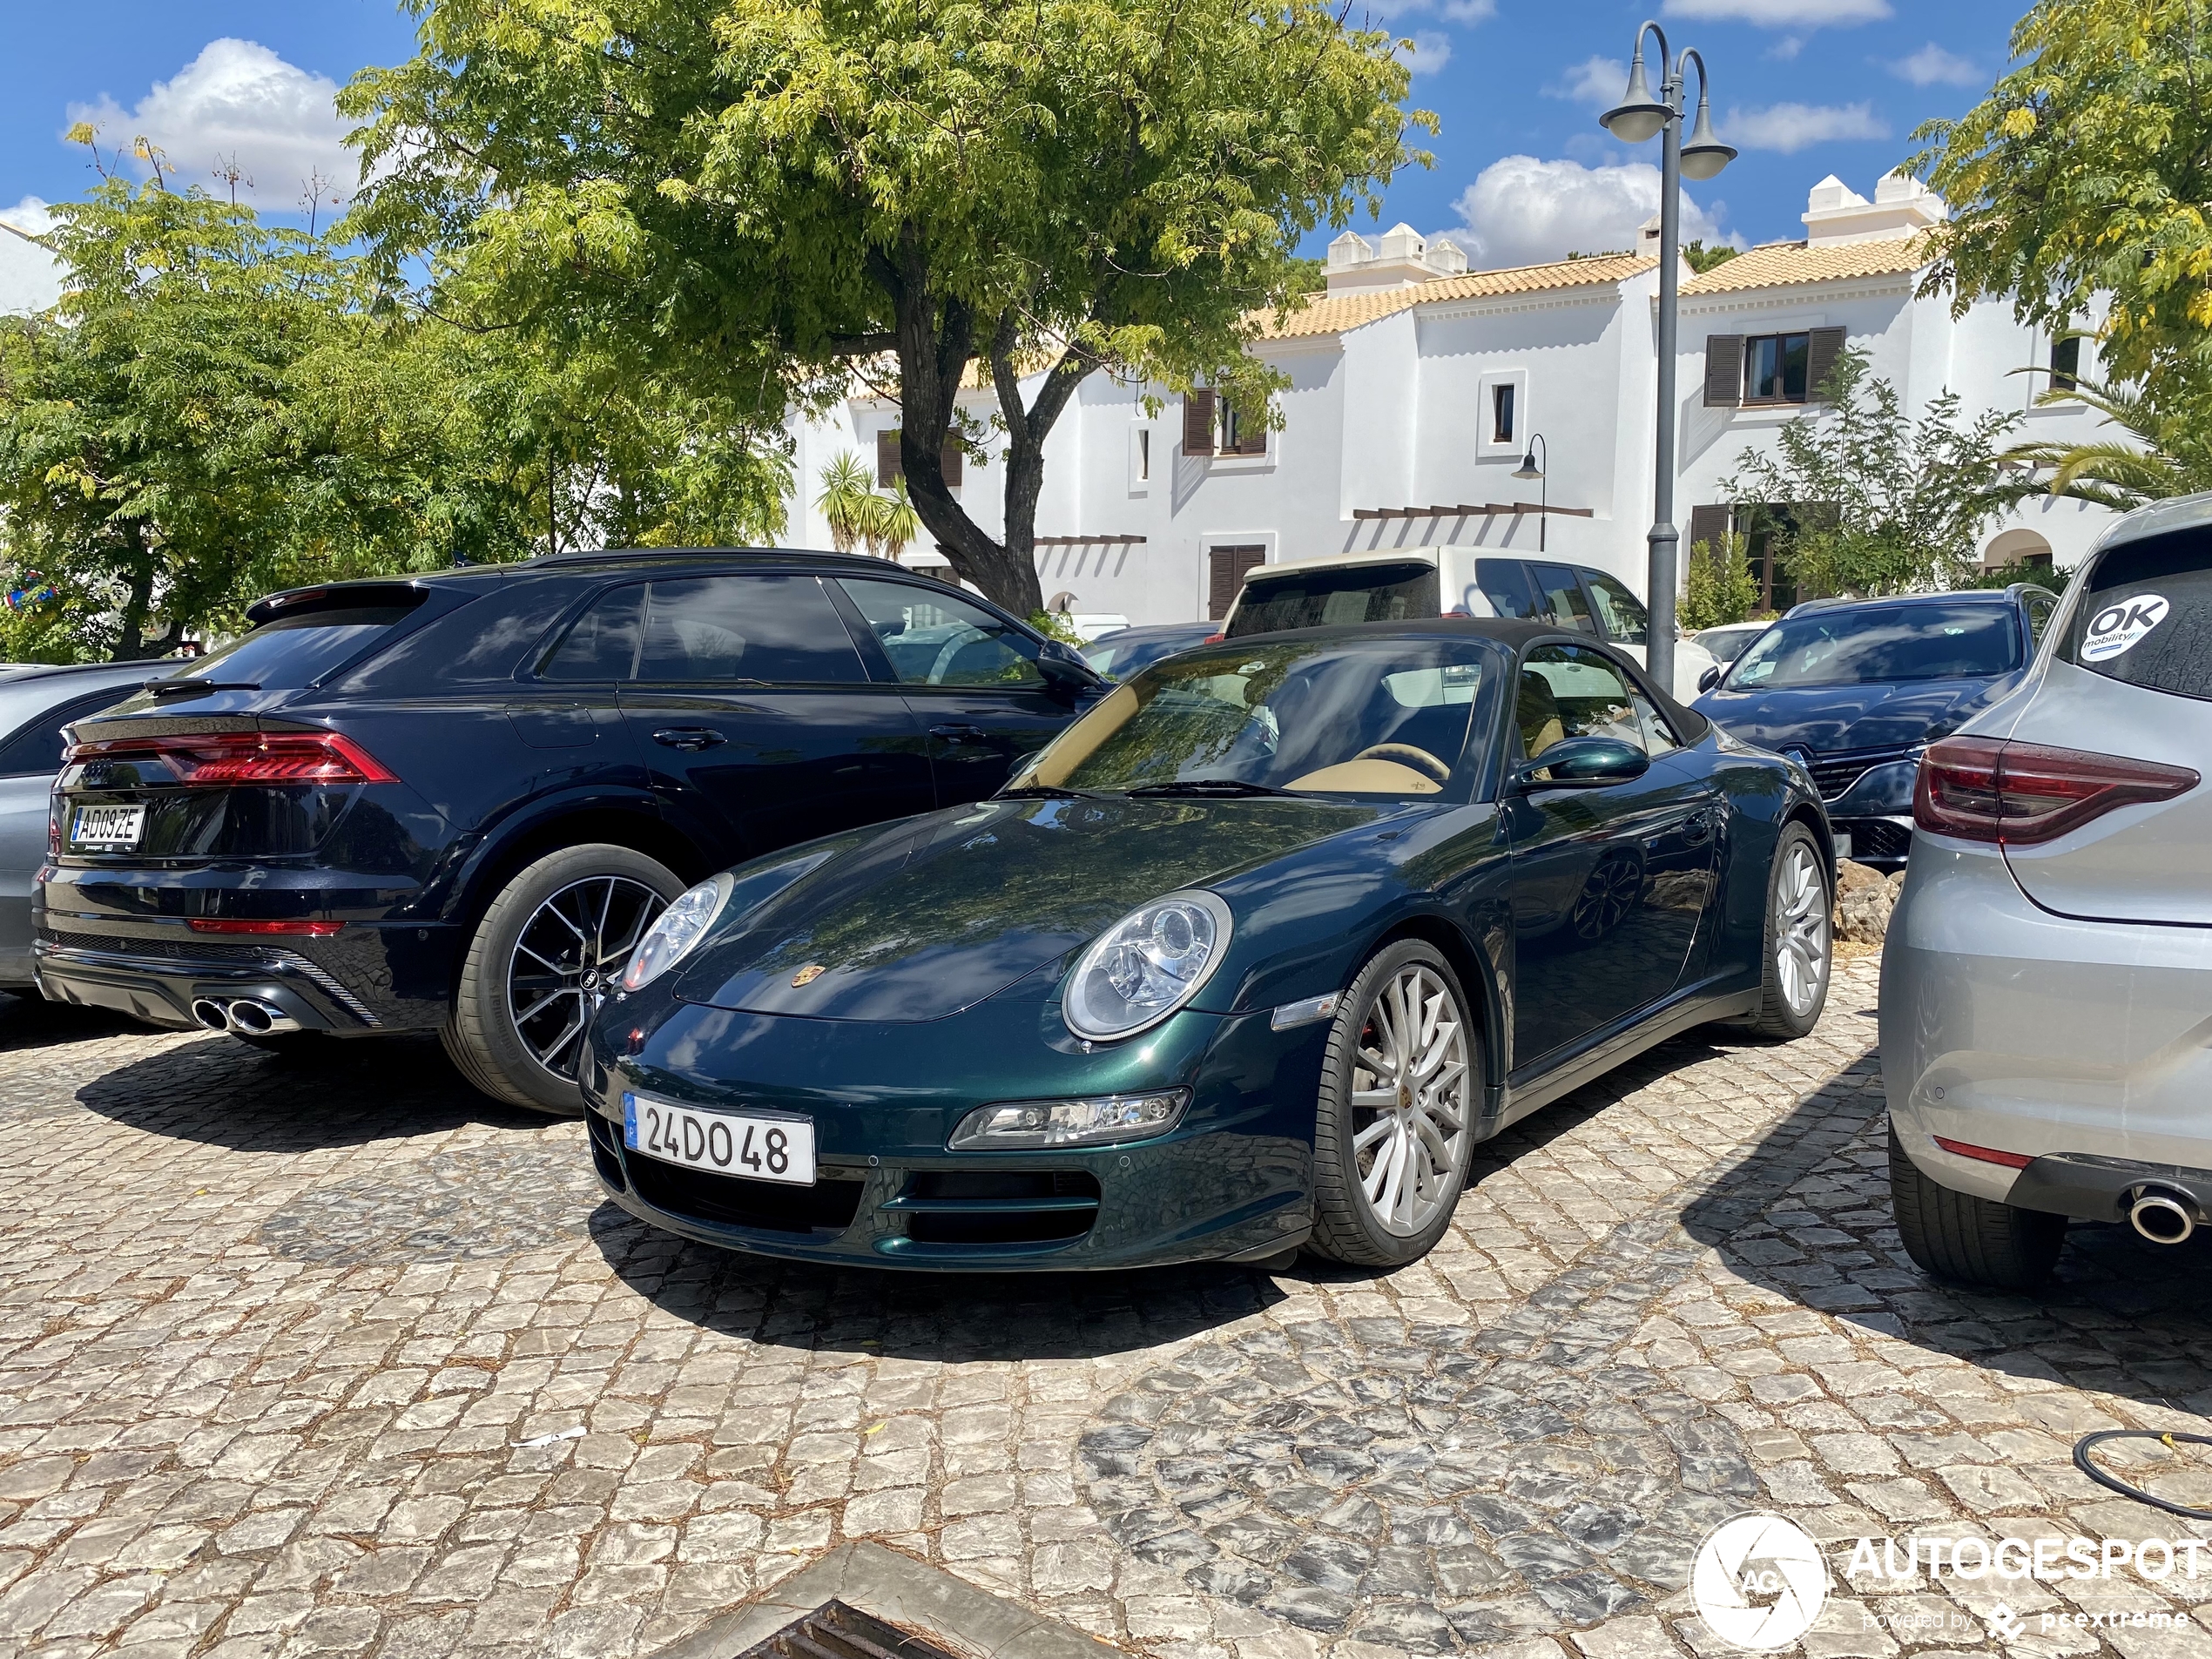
<point x="939" y="948"/>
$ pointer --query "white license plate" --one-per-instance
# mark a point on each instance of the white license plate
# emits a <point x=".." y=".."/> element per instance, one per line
<point x="759" y="1146"/>
<point x="108" y="827"/>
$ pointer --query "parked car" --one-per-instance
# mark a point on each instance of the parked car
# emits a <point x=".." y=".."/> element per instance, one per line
<point x="2048" y="968"/>
<point x="1250" y="959"/>
<point x="37" y="700"/>
<point x="1854" y="691"/>
<point x="455" y="802"/>
<point x="1121" y="653"/>
<point x="1727" y="642"/>
<point x="1407" y="583"/>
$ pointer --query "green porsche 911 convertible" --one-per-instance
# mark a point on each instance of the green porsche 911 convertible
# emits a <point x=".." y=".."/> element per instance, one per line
<point x="1247" y="960"/>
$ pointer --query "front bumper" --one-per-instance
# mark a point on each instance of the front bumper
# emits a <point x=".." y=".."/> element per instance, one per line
<point x="2085" y="1046"/>
<point x="1232" y="1182"/>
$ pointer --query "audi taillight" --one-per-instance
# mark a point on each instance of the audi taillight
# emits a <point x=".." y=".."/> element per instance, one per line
<point x="1984" y="789"/>
<point x="227" y="759"/>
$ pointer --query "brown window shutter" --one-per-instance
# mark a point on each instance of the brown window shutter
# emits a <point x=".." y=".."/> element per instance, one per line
<point x="1225" y="575"/>
<point x="950" y="458"/>
<point x="1820" y="361"/>
<point x="887" y="465"/>
<point x="1197" y="422"/>
<point x="1724" y="371"/>
<point x="1251" y="435"/>
<point x="1709" y="525"/>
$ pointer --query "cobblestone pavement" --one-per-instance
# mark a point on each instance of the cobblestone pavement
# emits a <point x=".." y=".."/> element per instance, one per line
<point x="337" y="1358"/>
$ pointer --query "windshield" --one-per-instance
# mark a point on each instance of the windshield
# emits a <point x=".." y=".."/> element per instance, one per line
<point x="1331" y="598"/>
<point x="1382" y="717"/>
<point x="294" y="652"/>
<point x="1937" y="640"/>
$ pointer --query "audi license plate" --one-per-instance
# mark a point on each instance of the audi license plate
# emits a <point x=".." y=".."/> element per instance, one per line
<point x="107" y="827"/>
<point x="759" y="1146"/>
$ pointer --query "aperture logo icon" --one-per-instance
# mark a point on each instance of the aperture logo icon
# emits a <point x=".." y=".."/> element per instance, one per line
<point x="1759" y="1581"/>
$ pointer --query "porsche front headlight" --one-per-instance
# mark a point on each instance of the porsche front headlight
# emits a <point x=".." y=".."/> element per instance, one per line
<point x="677" y="932"/>
<point x="1146" y="966"/>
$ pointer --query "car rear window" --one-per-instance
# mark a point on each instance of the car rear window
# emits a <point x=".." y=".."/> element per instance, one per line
<point x="292" y="651"/>
<point x="2145" y="617"/>
<point x="1333" y="598"/>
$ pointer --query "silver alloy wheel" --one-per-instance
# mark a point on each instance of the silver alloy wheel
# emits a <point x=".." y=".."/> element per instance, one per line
<point x="569" y="955"/>
<point x="1409" y="1093"/>
<point x="1800" y="928"/>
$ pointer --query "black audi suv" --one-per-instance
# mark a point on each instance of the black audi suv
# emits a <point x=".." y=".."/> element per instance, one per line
<point x="457" y="801"/>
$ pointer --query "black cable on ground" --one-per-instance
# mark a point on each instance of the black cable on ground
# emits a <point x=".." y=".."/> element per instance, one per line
<point x="2105" y="1477"/>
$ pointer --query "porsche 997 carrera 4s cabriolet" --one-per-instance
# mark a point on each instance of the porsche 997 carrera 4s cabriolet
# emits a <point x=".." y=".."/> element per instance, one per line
<point x="1248" y="960"/>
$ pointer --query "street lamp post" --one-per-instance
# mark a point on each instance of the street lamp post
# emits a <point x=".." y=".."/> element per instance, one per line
<point x="1638" y="116"/>
<point x="1529" y="469"/>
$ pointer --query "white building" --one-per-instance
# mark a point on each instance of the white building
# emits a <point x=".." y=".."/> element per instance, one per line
<point x="1416" y="385"/>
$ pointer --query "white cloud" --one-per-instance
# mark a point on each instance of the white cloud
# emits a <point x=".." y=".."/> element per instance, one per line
<point x="238" y="99"/>
<point x="1431" y="51"/>
<point x="1932" y="66"/>
<point x="1792" y="127"/>
<point x="1521" y="211"/>
<point x="1595" y="81"/>
<point x="1783" y="14"/>
<point x="31" y="278"/>
<point x="1786" y="48"/>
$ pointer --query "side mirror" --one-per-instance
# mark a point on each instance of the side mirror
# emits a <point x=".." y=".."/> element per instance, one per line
<point x="1708" y="679"/>
<point x="1584" y="763"/>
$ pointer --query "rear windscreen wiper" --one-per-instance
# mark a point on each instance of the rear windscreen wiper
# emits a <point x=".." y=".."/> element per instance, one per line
<point x="1044" y="791"/>
<point x="196" y="688"/>
<point x="1206" y="786"/>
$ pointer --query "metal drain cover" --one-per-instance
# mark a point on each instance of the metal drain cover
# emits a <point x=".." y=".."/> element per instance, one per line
<point x="836" y="1631"/>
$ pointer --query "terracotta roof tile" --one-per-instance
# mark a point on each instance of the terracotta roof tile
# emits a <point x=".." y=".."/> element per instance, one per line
<point x="1782" y="263"/>
<point x="1334" y="315"/>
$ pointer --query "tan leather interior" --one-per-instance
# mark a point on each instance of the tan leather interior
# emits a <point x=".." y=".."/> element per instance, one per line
<point x="1080" y="741"/>
<point x="1368" y="778"/>
<point x="1411" y="755"/>
<point x="1536" y="712"/>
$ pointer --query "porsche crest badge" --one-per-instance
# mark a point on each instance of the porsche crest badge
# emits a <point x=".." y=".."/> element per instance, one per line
<point x="807" y="975"/>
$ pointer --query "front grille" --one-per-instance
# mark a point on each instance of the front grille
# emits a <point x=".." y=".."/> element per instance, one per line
<point x="731" y="1201"/>
<point x="1876" y="838"/>
<point x="999" y="1206"/>
<point x="606" y="1155"/>
<point x="1834" y="773"/>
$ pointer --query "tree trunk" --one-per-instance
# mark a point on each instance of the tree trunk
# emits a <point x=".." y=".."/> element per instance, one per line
<point x="131" y="644"/>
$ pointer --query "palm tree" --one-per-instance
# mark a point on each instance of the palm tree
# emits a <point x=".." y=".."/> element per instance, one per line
<point x="2171" y="454"/>
<point x="897" y="522"/>
<point x="849" y="502"/>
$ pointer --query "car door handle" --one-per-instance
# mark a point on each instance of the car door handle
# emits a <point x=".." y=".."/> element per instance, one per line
<point x="960" y="733"/>
<point x="689" y="737"/>
<point x="1697" y="826"/>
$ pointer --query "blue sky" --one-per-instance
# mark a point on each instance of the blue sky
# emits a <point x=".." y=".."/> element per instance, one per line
<point x="1804" y="87"/>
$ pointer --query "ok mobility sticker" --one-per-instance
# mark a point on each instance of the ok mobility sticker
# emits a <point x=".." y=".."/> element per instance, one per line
<point x="2123" y="626"/>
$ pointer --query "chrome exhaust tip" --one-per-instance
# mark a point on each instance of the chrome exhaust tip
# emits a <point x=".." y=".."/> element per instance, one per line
<point x="210" y="1014"/>
<point x="252" y="1019"/>
<point x="2162" y="1217"/>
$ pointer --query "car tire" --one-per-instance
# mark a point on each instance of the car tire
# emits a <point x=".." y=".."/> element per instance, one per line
<point x="1800" y="906"/>
<point x="483" y="1035"/>
<point x="1975" y="1241"/>
<point x="1360" y="1217"/>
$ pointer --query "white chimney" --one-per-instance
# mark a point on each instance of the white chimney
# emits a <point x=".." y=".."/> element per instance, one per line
<point x="1405" y="257"/>
<point x="1836" y="214"/>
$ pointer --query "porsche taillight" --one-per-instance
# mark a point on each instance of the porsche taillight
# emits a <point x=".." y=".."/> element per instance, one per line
<point x="223" y="759"/>
<point x="1984" y="789"/>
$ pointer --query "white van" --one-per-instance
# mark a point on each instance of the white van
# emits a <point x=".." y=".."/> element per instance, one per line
<point x="1453" y="582"/>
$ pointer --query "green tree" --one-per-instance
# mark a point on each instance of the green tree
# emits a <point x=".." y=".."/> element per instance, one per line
<point x="1877" y="502"/>
<point x="1701" y="258"/>
<point x="1718" y="585"/>
<point x="752" y="198"/>
<point x="2087" y="171"/>
<point x="2167" y="451"/>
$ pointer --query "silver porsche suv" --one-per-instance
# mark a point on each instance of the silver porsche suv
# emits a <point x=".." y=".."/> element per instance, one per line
<point x="2047" y="985"/>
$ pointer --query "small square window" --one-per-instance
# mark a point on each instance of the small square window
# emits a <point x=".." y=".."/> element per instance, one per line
<point x="1774" y="368"/>
<point x="2066" y="363"/>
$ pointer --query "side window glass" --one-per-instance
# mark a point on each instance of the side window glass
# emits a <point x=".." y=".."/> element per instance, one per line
<point x="746" y="631"/>
<point x="1504" y="584"/>
<point x="2038" y="609"/>
<point x="37" y="747"/>
<point x="1627" y="622"/>
<point x="1566" y="691"/>
<point x="941" y="639"/>
<point x="1558" y="598"/>
<point x="1658" y="737"/>
<point x="602" y="643"/>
